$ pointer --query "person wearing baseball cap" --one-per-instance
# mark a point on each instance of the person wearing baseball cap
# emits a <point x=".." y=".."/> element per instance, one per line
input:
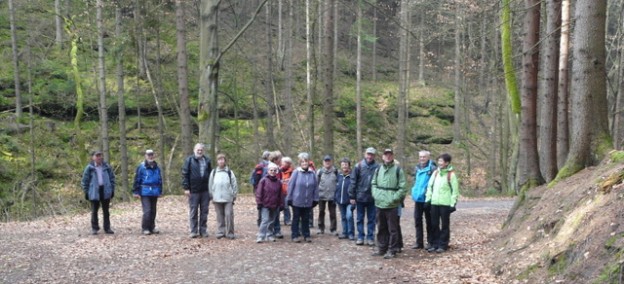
<point x="360" y="195"/>
<point x="98" y="184"/>
<point x="327" y="177"/>
<point x="148" y="187"/>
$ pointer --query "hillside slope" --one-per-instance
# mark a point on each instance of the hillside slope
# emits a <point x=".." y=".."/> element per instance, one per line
<point x="569" y="233"/>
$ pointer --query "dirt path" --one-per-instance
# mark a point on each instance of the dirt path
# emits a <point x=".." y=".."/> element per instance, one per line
<point x="60" y="250"/>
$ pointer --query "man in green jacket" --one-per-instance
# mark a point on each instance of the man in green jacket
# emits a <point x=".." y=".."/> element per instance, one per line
<point x="442" y="194"/>
<point x="389" y="190"/>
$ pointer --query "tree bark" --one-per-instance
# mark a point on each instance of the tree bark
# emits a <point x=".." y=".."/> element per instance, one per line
<point x="529" y="171"/>
<point x="374" y="49"/>
<point x="290" y="104"/>
<point x="588" y="97"/>
<point x="358" y="80"/>
<point x="268" y="81"/>
<point x="16" y="72"/>
<point x="209" y="74"/>
<point x="309" y="84"/>
<point x="186" y="132"/>
<point x="102" y="82"/>
<point x="403" y="78"/>
<point x="121" y="102"/>
<point x="328" y="98"/>
<point x="58" y="23"/>
<point x="563" y="129"/>
<point x="459" y="100"/>
<point x="548" y="92"/>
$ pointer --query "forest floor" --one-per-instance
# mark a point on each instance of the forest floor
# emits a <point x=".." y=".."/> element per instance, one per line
<point x="61" y="250"/>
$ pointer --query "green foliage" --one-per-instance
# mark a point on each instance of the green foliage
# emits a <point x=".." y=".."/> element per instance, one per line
<point x="527" y="272"/>
<point x="617" y="157"/>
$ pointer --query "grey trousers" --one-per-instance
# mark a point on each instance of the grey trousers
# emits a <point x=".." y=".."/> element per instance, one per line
<point x="225" y="218"/>
<point x="198" y="212"/>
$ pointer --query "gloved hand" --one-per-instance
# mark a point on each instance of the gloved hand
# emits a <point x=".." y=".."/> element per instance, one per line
<point x="259" y="206"/>
<point x="113" y="194"/>
<point x="314" y="203"/>
<point x="289" y="203"/>
<point x="86" y="196"/>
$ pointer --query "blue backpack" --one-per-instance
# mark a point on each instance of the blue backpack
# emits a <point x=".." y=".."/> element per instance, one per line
<point x="254" y="177"/>
<point x="151" y="183"/>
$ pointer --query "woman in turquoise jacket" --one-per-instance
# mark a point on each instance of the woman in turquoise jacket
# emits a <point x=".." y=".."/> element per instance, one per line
<point x="442" y="194"/>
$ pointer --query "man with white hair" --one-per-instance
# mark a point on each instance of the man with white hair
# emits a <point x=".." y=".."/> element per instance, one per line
<point x="422" y="173"/>
<point x="195" y="175"/>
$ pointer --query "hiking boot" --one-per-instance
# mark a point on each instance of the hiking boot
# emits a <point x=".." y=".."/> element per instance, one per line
<point x="194" y="235"/>
<point x="259" y="240"/>
<point x="307" y="240"/>
<point x="204" y="234"/>
<point x="320" y="232"/>
<point x="399" y="250"/>
<point x="370" y="243"/>
<point x="155" y="231"/>
<point x="279" y="236"/>
<point x="146" y="232"/>
<point x="440" y="250"/>
<point x="351" y="238"/>
<point x="109" y="231"/>
<point x="389" y="255"/>
<point x="296" y="240"/>
<point x="220" y="237"/>
<point x="359" y="242"/>
<point x="271" y="239"/>
<point x="94" y="232"/>
<point x="431" y="249"/>
<point x="333" y="232"/>
<point x="416" y="246"/>
<point x="231" y="237"/>
<point x="342" y="237"/>
<point x="378" y="253"/>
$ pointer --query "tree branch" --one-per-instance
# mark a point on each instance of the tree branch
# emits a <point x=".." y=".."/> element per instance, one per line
<point x="240" y="33"/>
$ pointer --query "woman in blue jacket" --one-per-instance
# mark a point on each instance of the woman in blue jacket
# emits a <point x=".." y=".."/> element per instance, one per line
<point x="148" y="187"/>
<point x="303" y="195"/>
<point x="342" y="199"/>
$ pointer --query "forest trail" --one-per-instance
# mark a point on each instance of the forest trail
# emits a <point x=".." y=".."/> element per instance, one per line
<point x="61" y="250"/>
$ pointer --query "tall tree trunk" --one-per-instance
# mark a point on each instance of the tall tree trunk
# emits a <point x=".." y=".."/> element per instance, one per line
<point x="138" y="26"/>
<point x="563" y="129"/>
<point x="309" y="84"/>
<point x="162" y="126"/>
<point x="548" y="92"/>
<point x="618" y="115"/>
<point x="121" y="102"/>
<point x="268" y="82"/>
<point x="529" y="170"/>
<point x="102" y="82"/>
<point x="421" y="48"/>
<point x="209" y="73"/>
<point x="290" y="104"/>
<point x="588" y="97"/>
<point x="73" y="57"/>
<point x="58" y="23"/>
<point x="403" y="78"/>
<point x="358" y="78"/>
<point x="186" y="132"/>
<point x="328" y="98"/>
<point x="374" y="49"/>
<point x="16" y="77"/>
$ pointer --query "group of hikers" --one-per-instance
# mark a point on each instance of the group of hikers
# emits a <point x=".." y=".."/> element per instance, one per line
<point x="374" y="191"/>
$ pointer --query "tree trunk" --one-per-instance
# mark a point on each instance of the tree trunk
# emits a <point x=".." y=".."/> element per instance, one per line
<point x="16" y="77"/>
<point x="358" y="80"/>
<point x="186" y="132"/>
<point x="459" y="100"/>
<point x="421" y="48"/>
<point x="121" y="102"/>
<point x="403" y="78"/>
<point x="529" y="173"/>
<point x="209" y="73"/>
<point x="548" y="92"/>
<point x="588" y="96"/>
<point x="58" y="23"/>
<point x="268" y="82"/>
<point x="75" y="73"/>
<point x="138" y="22"/>
<point x="309" y="84"/>
<point x="290" y="104"/>
<point x="102" y="82"/>
<point x="328" y="64"/>
<point x="374" y="49"/>
<point x="563" y="129"/>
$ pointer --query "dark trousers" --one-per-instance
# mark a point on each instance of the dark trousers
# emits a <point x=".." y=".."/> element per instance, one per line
<point x="387" y="229"/>
<point x="440" y="221"/>
<point x="300" y="214"/>
<point x="95" y="206"/>
<point x="331" y="206"/>
<point x="198" y="204"/>
<point x="149" y="212"/>
<point x="419" y="212"/>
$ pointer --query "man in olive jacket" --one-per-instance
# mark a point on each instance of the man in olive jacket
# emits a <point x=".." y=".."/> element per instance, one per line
<point x="388" y="191"/>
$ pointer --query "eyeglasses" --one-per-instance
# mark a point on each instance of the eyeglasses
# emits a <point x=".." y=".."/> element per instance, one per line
<point x="272" y="170"/>
<point x="150" y="154"/>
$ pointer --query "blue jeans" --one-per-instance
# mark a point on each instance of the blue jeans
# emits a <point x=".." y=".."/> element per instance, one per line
<point x="267" y="224"/>
<point x="198" y="203"/>
<point x="301" y="214"/>
<point x="277" y="228"/>
<point x="368" y="209"/>
<point x="286" y="212"/>
<point x="346" y="214"/>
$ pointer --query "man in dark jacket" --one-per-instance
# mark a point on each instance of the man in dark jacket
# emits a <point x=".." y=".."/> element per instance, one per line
<point x="361" y="196"/>
<point x="98" y="184"/>
<point x="195" y="174"/>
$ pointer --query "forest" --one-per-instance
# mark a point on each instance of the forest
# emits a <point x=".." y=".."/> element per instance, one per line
<point x="521" y="93"/>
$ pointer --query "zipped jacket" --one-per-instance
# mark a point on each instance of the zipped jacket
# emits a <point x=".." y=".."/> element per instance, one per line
<point x="360" y="187"/>
<point x="223" y="185"/>
<point x="342" y="189"/>
<point x="421" y="180"/>
<point x="192" y="178"/>
<point x="388" y="191"/>
<point x="327" y="183"/>
<point x="302" y="188"/>
<point x="269" y="192"/>
<point x="90" y="185"/>
<point x="440" y="191"/>
<point x="147" y="180"/>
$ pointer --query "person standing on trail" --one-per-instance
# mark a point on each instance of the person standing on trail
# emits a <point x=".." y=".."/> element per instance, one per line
<point x="361" y="196"/>
<point x="388" y="187"/>
<point x="303" y="195"/>
<point x="223" y="189"/>
<point x="341" y="198"/>
<point x="195" y="172"/>
<point x="286" y="170"/>
<point x="259" y="171"/>
<point x="441" y="198"/>
<point x="327" y="177"/>
<point x="148" y="187"/>
<point x="98" y="184"/>
<point x="422" y="173"/>
<point x="275" y="157"/>
<point x="269" y="200"/>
